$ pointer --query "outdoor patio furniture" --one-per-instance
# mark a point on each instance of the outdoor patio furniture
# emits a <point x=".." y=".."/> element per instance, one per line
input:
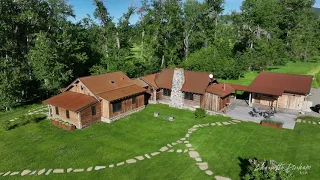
<point x="256" y="110"/>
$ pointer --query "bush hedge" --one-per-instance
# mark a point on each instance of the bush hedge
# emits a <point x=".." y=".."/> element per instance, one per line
<point x="272" y="122"/>
<point x="200" y="113"/>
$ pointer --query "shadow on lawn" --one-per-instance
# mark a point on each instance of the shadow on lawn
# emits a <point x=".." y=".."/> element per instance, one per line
<point x="244" y="165"/>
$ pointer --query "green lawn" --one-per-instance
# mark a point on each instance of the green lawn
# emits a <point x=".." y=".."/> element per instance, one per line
<point x="15" y="113"/>
<point x="222" y="146"/>
<point x="42" y="145"/>
<point x="312" y="68"/>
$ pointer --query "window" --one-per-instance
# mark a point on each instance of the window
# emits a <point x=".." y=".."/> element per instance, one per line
<point x="93" y="111"/>
<point x="151" y="90"/>
<point x="116" y="107"/>
<point x="82" y="88"/>
<point x="188" y="96"/>
<point x="57" y="110"/>
<point x="133" y="100"/>
<point x="67" y="114"/>
<point x="167" y="92"/>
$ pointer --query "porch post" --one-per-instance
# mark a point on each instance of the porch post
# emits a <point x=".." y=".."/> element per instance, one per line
<point x="154" y="95"/>
<point x="79" y="119"/>
<point x="235" y="94"/>
<point x="250" y="99"/>
<point x="277" y="102"/>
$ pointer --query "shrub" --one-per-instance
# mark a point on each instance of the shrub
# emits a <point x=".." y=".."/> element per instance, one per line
<point x="200" y="113"/>
<point x="23" y="121"/>
<point x="37" y="118"/>
<point x="272" y="122"/>
<point x="7" y="125"/>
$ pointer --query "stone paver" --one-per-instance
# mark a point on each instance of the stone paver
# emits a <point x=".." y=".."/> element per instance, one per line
<point x="187" y="135"/>
<point x="41" y="171"/>
<point x="147" y="156"/>
<point x="314" y="122"/>
<point x="89" y="169"/>
<point x="195" y="126"/>
<point x="213" y="124"/>
<point x="140" y="158"/>
<point x="319" y="122"/>
<point x="221" y="178"/>
<point x="7" y="173"/>
<point x="155" y="153"/>
<point x="1" y="174"/>
<point x="193" y="154"/>
<point x="299" y="120"/>
<point x="164" y="148"/>
<point x="200" y="125"/>
<point x="209" y="172"/>
<point x="205" y="124"/>
<point x="58" y="171"/>
<point x="130" y="161"/>
<point x="309" y="122"/>
<point x="174" y="143"/>
<point x="25" y="172"/>
<point x="14" y="173"/>
<point x="225" y="123"/>
<point x="48" y="172"/>
<point x="186" y="150"/>
<point x="219" y="124"/>
<point x="182" y="139"/>
<point x="171" y="150"/>
<point x="169" y="145"/>
<point x="179" y="141"/>
<point x="304" y="121"/>
<point x="99" y="167"/>
<point x="198" y="159"/>
<point x="78" y="170"/>
<point x="34" y="172"/>
<point x="179" y="150"/>
<point x="191" y="149"/>
<point x="203" y="166"/>
<point x="69" y="170"/>
<point x="111" y="165"/>
<point x="189" y="145"/>
<point x="186" y="142"/>
<point x="120" y="164"/>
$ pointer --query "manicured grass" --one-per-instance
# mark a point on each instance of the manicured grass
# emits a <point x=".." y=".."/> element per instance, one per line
<point x="42" y="145"/>
<point x="298" y="67"/>
<point x="222" y="146"/>
<point x="310" y="118"/>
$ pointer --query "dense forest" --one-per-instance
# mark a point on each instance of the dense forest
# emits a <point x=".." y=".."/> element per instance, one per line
<point x="41" y="50"/>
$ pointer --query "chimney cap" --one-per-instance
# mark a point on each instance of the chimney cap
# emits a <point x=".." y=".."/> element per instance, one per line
<point x="210" y="76"/>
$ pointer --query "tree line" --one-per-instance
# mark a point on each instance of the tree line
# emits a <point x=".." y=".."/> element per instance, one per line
<point x="41" y="50"/>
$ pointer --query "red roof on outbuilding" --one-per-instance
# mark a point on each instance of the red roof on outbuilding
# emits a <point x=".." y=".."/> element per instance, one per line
<point x="278" y="83"/>
<point x="221" y="89"/>
<point x="71" y="101"/>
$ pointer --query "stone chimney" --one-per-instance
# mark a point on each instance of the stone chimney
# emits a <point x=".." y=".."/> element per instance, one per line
<point x="177" y="96"/>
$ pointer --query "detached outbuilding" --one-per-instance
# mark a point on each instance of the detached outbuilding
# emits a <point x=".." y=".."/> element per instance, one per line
<point x="279" y="90"/>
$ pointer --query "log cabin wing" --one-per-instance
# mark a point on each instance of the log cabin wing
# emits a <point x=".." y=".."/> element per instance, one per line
<point x="103" y="97"/>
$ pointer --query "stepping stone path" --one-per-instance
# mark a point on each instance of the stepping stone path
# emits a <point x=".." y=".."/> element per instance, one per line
<point x="34" y="172"/>
<point x="163" y="149"/>
<point x="78" y="170"/>
<point x="41" y="171"/>
<point x="203" y="166"/>
<point x="193" y="154"/>
<point x="155" y="153"/>
<point x="48" y="172"/>
<point x="307" y="122"/>
<point x="99" y="167"/>
<point x="140" y="158"/>
<point x="120" y="164"/>
<point x="25" y="172"/>
<point x="58" y="171"/>
<point x="14" y="173"/>
<point x="130" y="161"/>
<point x="221" y="178"/>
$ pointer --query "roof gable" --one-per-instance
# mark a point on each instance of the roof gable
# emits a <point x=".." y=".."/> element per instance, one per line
<point x="221" y="90"/>
<point x="195" y="82"/>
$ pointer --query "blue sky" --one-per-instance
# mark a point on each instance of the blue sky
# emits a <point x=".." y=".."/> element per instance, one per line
<point x="117" y="7"/>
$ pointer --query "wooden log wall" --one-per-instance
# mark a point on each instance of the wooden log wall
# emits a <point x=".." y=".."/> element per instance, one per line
<point x="86" y="115"/>
<point x="126" y="105"/>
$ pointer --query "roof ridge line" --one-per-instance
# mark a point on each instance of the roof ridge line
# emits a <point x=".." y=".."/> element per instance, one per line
<point x="116" y="89"/>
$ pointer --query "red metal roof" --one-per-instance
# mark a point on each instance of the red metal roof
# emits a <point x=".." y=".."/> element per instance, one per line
<point x="122" y="92"/>
<point x="239" y="87"/>
<point x="71" y="101"/>
<point x="139" y="82"/>
<point x="150" y="79"/>
<point x="195" y="82"/>
<point x="278" y="83"/>
<point x="221" y="89"/>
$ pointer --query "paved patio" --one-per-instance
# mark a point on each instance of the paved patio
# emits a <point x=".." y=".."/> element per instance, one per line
<point x="242" y="113"/>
